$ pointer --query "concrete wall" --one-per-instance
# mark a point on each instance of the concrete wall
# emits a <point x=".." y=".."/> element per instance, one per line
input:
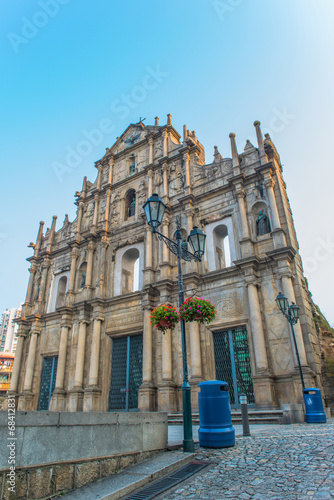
<point x="49" y="438"/>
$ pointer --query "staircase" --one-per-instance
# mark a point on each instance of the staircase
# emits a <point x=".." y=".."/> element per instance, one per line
<point x="254" y="417"/>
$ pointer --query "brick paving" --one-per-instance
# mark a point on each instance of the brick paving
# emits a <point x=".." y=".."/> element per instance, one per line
<point x="288" y="462"/>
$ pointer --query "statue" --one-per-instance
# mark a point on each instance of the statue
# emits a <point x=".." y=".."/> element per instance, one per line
<point x="132" y="168"/>
<point x="83" y="280"/>
<point x="259" y="187"/>
<point x="132" y="207"/>
<point x="262" y="224"/>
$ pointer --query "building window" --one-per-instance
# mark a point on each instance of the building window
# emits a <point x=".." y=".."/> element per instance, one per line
<point x="130" y="203"/>
<point x="61" y="292"/>
<point x="221" y="247"/>
<point x="130" y="271"/>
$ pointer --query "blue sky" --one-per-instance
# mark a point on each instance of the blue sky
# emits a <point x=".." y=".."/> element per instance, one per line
<point x="68" y="65"/>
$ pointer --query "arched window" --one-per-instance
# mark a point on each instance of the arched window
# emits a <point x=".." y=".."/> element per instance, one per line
<point x="130" y="204"/>
<point x="61" y="291"/>
<point x="82" y="275"/>
<point x="221" y="247"/>
<point x="130" y="271"/>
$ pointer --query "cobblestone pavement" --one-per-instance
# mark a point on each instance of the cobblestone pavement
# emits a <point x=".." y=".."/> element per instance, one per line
<point x="289" y="462"/>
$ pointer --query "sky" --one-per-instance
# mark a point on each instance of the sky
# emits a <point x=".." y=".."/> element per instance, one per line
<point x="74" y="74"/>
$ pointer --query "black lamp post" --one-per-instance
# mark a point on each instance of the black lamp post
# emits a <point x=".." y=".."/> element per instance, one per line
<point x="292" y="315"/>
<point x="154" y="211"/>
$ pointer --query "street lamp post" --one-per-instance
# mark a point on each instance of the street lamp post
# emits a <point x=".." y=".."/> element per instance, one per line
<point x="154" y="211"/>
<point x="291" y="312"/>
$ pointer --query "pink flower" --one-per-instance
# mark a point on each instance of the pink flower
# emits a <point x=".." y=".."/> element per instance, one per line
<point x="189" y="307"/>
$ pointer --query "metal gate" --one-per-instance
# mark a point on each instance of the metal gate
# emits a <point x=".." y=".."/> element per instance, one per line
<point x="48" y="381"/>
<point x="233" y="363"/>
<point x="126" y="372"/>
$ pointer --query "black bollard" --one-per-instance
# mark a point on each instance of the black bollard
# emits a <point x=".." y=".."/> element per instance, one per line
<point x="244" y="415"/>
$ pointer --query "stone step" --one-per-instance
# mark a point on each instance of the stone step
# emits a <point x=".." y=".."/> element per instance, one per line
<point x="254" y="417"/>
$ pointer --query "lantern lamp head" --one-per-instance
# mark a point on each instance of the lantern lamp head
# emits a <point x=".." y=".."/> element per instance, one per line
<point x="282" y="302"/>
<point x="196" y="239"/>
<point x="154" y="211"/>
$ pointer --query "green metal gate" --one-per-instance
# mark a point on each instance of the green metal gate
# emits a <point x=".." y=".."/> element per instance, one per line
<point x="233" y="363"/>
<point x="126" y="372"/>
<point x="48" y="381"/>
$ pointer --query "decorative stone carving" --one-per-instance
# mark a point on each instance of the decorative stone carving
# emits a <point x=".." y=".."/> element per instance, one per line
<point x="176" y="178"/>
<point x="158" y="149"/>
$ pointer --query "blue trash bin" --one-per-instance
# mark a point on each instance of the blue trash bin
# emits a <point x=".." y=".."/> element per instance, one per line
<point x="215" y="422"/>
<point x="314" y="408"/>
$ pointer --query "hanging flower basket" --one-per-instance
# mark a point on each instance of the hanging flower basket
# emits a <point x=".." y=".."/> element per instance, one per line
<point x="164" y="317"/>
<point x="197" y="309"/>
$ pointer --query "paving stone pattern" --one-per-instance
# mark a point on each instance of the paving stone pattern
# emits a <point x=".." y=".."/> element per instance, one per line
<point x="286" y="463"/>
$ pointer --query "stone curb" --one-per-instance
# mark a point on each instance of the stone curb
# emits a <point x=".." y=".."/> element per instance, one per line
<point x="118" y="485"/>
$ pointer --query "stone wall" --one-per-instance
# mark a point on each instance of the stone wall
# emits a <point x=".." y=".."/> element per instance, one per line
<point x="60" y="451"/>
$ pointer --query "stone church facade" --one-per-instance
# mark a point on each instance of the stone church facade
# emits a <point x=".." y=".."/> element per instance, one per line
<point x="85" y="338"/>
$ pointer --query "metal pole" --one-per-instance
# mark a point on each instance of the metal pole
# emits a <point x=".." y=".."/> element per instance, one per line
<point x="295" y="342"/>
<point x="188" y="442"/>
<point x="244" y="415"/>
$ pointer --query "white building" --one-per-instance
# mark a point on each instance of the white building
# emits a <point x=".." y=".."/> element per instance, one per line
<point x="8" y="329"/>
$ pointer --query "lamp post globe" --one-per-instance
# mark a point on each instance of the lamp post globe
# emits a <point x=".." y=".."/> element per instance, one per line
<point x="282" y="302"/>
<point x="196" y="239"/>
<point x="294" y="313"/>
<point x="154" y="210"/>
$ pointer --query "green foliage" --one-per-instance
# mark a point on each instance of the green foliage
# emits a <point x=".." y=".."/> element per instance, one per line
<point x="329" y="367"/>
<point x="167" y="313"/>
<point x="197" y="309"/>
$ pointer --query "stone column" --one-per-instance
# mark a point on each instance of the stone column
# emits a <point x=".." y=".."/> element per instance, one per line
<point x="164" y="143"/>
<point x="288" y="291"/>
<point x="257" y="327"/>
<point x="57" y="402"/>
<point x="28" y="379"/>
<point x="41" y="296"/>
<point x="269" y="183"/>
<point x="76" y="393"/>
<point x="95" y="353"/>
<point x="262" y="153"/>
<point x="165" y="197"/>
<point x="195" y="362"/>
<point x="146" y="399"/>
<point x="26" y="397"/>
<point x="90" y="265"/>
<point x="195" y="351"/>
<point x="150" y="151"/>
<point x="243" y="214"/>
<point x="262" y="380"/>
<point x="93" y="392"/>
<point x="80" y="357"/>
<point x="103" y="249"/>
<point x="111" y="171"/>
<point x="72" y="274"/>
<point x="150" y="182"/>
<point x="167" y="356"/>
<point x="187" y="188"/>
<point x="167" y="388"/>
<point x="96" y="212"/>
<point x="235" y="157"/>
<point x="148" y="271"/>
<point x="29" y="297"/>
<point x="80" y="210"/>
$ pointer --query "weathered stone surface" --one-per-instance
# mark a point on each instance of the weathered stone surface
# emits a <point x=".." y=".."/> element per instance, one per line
<point x="64" y="477"/>
<point x="86" y="473"/>
<point x="109" y="466"/>
<point x="40" y="484"/>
